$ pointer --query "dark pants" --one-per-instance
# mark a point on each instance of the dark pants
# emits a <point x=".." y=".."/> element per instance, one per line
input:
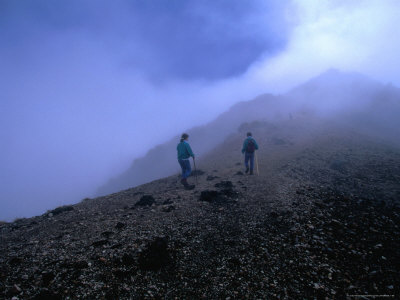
<point x="185" y="166"/>
<point x="247" y="157"/>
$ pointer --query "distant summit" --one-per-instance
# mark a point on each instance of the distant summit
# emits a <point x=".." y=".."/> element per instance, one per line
<point x="333" y="75"/>
<point x="336" y="74"/>
<point x="333" y="82"/>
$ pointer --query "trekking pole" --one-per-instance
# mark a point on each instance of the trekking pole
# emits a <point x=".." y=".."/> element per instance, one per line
<point x="195" y="170"/>
<point x="255" y="153"/>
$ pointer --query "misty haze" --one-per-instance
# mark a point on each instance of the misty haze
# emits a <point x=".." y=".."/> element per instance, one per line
<point x="95" y="97"/>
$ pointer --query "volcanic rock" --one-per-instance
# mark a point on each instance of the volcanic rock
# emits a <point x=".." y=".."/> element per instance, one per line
<point x="146" y="200"/>
<point x="156" y="255"/>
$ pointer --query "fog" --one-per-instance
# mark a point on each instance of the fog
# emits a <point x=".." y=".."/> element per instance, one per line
<point x="88" y="86"/>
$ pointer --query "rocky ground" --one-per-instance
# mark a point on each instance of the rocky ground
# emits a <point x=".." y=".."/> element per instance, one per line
<point x="321" y="221"/>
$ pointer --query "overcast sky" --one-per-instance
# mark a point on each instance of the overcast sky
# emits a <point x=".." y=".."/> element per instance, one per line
<point x="87" y="86"/>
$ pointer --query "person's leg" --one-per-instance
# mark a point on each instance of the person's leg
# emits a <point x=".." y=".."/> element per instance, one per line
<point x="188" y="168"/>
<point x="186" y="172"/>
<point x="251" y="157"/>
<point x="246" y="161"/>
<point x="183" y="167"/>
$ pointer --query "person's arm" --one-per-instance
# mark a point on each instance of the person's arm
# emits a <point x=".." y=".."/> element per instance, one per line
<point x="255" y="144"/>
<point x="189" y="150"/>
<point x="244" y="146"/>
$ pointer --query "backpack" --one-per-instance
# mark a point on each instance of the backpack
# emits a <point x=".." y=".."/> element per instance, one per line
<point x="250" y="146"/>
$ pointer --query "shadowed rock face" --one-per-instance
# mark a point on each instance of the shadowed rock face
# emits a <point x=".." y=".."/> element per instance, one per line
<point x="146" y="200"/>
<point x="321" y="220"/>
<point x="155" y="256"/>
<point x="225" y="193"/>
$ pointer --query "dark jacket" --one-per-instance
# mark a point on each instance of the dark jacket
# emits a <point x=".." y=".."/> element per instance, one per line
<point x="246" y="141"/>
<point x="184" y="150"/>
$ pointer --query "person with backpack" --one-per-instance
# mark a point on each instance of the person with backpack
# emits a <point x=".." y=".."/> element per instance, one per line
<point x="184" y="153"/>
<point x="249" y="147"/>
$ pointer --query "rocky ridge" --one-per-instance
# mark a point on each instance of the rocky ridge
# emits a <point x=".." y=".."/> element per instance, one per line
<point x="321" y="221"/>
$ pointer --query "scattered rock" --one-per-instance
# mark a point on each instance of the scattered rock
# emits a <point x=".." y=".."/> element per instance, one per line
<point x="47" y="277"/>
<point x="210" y="177"/>
<point x="16" y="290"/>
<point x="210" y="196"/>
<point x="128" y="259"/>
<point x="168" y="208"/>
<point x="15" y="261"/>
<point x="78" y="265"/>
<point x="219" y="197"/>
<point x="120" y="225"/>
<point x="107" y="234"/>
<point x="146" y="200"/>
<point x="168" y="201"/>
<point x="45" y="294"/>
<point x="61" y="209"/>
<point x="156" y="255"/>
<point x="99" y="243"/>
<point x="224" y="184"/>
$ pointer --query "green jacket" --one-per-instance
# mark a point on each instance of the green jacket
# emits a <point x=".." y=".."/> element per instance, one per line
<point x="246" y="141"/>
<point x="184" y="150"/>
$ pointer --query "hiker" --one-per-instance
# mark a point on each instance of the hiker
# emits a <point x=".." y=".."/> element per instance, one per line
<point x="184" y="153"/>
<point x="249" y="146"/>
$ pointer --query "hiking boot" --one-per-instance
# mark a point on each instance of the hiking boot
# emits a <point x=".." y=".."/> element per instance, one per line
<point x="187" y="185"/>
<point x="251" y="172"/>
<point x="247" y="170"/>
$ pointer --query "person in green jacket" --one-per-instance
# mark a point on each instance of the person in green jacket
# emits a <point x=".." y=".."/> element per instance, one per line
<point x="249" y="147"/>
<point x="184" y="153"/>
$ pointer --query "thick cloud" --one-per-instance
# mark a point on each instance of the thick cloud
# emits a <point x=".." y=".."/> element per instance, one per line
<point x="348" y="35"/>
<point x="159" y="39"/>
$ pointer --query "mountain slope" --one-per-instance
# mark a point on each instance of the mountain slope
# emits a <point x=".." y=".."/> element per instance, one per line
<point x="321" y="220"/>
<point x="161" y="160"/>
<point x="363" y="104"/>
